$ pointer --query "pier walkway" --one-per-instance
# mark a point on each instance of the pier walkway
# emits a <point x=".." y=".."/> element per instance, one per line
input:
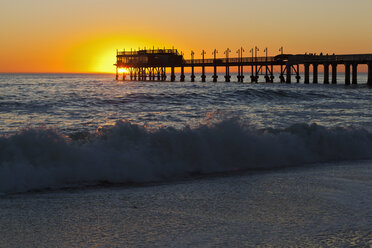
<point x="144" y="65"/>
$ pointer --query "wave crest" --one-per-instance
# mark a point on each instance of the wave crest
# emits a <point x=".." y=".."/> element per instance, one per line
<point x="43" y="158"/>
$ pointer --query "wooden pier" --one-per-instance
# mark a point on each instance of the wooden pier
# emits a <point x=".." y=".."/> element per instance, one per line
<point x="151" y="65"/>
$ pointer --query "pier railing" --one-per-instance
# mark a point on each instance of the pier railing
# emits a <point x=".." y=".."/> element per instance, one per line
<point x="229" y="60"/>
<point x="149" y="51"/>
<point x="321" y="59"/>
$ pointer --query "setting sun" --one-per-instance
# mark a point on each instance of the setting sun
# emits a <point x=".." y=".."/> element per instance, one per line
<point x="123" y="70"/>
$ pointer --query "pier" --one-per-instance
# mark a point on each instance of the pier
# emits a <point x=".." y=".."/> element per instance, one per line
<point x="151" y="65"/>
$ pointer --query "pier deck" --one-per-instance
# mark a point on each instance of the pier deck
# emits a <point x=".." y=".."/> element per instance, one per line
<point x="145" y="65"/>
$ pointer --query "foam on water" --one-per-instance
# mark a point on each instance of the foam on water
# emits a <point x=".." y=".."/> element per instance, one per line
<point x="40" y="158"/>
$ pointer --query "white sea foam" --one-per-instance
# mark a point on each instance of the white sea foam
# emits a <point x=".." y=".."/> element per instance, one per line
<point x="41" y="158"/>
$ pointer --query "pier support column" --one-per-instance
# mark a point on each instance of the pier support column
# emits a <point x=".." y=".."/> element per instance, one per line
<point x="161" y="74"/>
<point x="149" y="73"/>
<point x="141" y="78"/>
<point x="203" y="74"/>
<point x="355" y="73"/>
<point x="192" y="74"/>
<point x="117" y="74"/>
<point x="173" y="76"/>
<point x="252" y="75"/>
<point x="227" y="76"/>
<point x="139" y="71"/>
<point x="152" y="74"/>
<point x="182" y="77"/>
<point x="315" y="73"/>
<point x="369" y="82"/>
<point x="334" y="73"/>
<point x="307" y="72"/>
<point x="124" y="76"/>
<point x="281" y="74"/>
<point x="158" y="74"/>
<point x="131" y="74"/>
<point x="241" y="74"/>
<point x="289" y="72"/>
<point x="272" y="74"/>
<point x="347" y="74"/>
<point x="326" y="73"/>
<point x="267" y="78"/>
<point x="298" y="77"/>
<point x="215" y="74"/>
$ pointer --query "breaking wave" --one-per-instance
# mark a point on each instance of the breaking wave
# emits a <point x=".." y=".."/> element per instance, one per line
<point x="43" y="158"/>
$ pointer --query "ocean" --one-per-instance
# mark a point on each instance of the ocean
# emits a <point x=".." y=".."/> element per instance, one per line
<point x="87" y="161"/>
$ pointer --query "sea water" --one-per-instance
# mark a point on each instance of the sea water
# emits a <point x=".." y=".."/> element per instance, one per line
<point x="62" y="132"/>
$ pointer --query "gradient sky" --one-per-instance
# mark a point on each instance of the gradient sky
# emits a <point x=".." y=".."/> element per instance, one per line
<point x="83" y="35"/>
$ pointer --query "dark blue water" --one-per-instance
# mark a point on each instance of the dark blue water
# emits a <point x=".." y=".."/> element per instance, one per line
<point x="73" y="103"/>
<point x="61" y="129"/>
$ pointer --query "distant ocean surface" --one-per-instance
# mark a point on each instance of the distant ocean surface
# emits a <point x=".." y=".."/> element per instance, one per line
<point x="87" y="161"/>
<point x="72" y="129"/>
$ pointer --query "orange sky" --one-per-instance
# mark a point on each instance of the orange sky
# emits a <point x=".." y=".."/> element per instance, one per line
<point x="83" y="35"/>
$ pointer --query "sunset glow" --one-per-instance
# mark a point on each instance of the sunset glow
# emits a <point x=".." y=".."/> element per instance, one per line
<point x="73" y="36"/>
<point x="123" y="70"/>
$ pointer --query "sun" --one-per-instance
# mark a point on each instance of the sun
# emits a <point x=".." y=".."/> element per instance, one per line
<point x="123" y="70"/>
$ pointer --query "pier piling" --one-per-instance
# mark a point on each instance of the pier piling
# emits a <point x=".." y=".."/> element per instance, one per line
<point x="298" y="77"/>
<point x="253" y="78"/>
<point x="272" y="74"/>
<point x="289" y="72"/>
<point x="203" y="74"/>
<point x="192" y="74"/>
<point x="369" y="82"/>
<point x="281" y="74"/>
<point x="326" y="73"/>
<point x="241" y="74"/>
<point x="334" y="73"/>
<point x="315" y="73"/>
<point x="354" y="73"/>
<point x="347" y="73"/>
<point x="173" y="75"/>
<point x="182" y="77"/>
<point x="227" y="76"/>
<point x="215" y="77"/>
<point x="306" y="72"/>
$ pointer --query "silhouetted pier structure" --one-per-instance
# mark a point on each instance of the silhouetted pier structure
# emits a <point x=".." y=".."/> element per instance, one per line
<point x="150" y="65"/>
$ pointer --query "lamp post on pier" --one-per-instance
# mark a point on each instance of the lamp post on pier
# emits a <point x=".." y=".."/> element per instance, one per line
<point x="192" y="67"/>
<point x="227" y="76"/>
<point x="252" y="70"/>
<point x="182" y="78"/>
<point x="117" y="73"/>
<point x="256" y="49"/>
<point x="267" y="79"/>
<point x="281" y="50"/>
<point x="240" y="67"/>
<point x="214" y="67"/>
<point x="203" y="67"/>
